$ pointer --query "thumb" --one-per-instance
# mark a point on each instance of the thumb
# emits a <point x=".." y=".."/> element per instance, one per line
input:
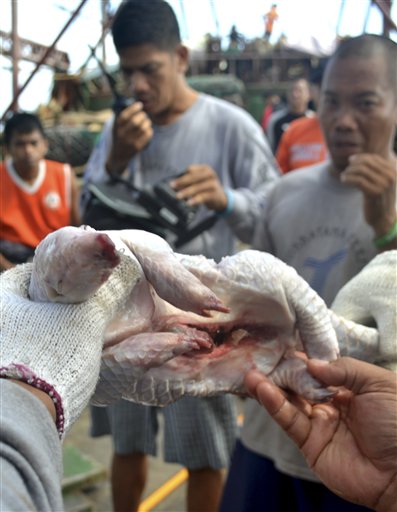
<point x="355" y="375"/>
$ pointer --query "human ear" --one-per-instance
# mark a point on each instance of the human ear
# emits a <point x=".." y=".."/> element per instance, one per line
<point x="182" y="55"/>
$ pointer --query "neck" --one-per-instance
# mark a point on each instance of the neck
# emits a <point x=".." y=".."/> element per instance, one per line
<point x="298" y="110"/>
<point x="27" y="174"/>
<point x="184" y="102"/>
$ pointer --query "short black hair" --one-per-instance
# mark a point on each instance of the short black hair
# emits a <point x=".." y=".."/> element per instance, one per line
<point x="370" y="45"/>
<point x="139" y="22"/>
<point x="22" y="122"/>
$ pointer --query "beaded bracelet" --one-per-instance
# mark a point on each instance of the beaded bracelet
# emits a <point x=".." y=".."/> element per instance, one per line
<point x="388" y="237"/>
<point x="230" y="204"/>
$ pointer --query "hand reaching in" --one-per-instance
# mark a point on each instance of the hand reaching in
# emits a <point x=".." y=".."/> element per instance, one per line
<point x="350" y="442"/>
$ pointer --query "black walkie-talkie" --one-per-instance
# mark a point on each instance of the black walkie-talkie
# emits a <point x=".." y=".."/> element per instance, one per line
<point x="120" y="102"/>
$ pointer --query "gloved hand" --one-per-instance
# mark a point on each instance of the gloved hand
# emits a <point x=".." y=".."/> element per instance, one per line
<point x="57" y="347"/>
<point x="369" y="299"/>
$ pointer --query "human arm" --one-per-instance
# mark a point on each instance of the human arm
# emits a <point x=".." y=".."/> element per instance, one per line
<point x="65" y="357"/>
<point x="376" y="309"/>
<point x="49" y="361"/>
<point x="75" y="219"/>
<point x="270" y="130"/>
<point x="237" y="182"/>
<point x="132" y="131"/>
<point x="5" y="264"/>
<point x="30" y="451"/>
<point x="359" y="425"/>
<point x="376" y="177"/>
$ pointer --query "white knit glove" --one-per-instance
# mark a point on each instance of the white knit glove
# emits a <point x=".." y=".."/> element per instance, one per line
<point x="57" y="347"/>
<point x="370" y="299"/>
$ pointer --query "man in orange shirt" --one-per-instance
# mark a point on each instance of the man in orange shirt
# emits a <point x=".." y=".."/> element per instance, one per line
<point x="302" y="144"/>
<point x="37" y="196"/>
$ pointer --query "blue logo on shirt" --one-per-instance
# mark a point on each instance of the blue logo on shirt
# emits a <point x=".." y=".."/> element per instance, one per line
<point x="322" y="268"/>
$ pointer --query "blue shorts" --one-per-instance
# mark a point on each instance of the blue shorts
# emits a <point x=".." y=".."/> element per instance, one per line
<point x="255" y="485"/>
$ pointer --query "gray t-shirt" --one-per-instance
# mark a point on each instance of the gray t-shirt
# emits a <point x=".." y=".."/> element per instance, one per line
<point x="30" y="453"/>
<point x="314" y="223"/>
<point x="212" y="132"/>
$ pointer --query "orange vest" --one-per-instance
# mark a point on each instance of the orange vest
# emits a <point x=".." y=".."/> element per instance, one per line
<point x="29" y="212"/>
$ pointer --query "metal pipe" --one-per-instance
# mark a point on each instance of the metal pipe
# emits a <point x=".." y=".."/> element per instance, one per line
<point x="182" y="7"/>
<point x="105" y="23"/>
<point x="43" y="59"/>
<point x="215" y="16"/>
<point x="340" y="16"/>
<point x="15" y="53"/>
<point x="367" y="16"/>
<point x="385" y="8"/>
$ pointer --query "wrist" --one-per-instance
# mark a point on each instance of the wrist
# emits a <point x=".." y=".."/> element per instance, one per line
<point x="229" y="204"/>
<point x="385" y="236"/>
<point x="383" y="223"/>
<point x="114" y="167"/>
<point x="117" y="161"/>
<point x="45" y="392"/>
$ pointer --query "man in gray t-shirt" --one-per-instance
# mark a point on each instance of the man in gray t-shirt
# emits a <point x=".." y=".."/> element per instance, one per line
<point x="327" y="221"/>
<point x="227" y="166"/>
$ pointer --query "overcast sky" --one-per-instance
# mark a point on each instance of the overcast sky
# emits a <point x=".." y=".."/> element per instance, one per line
<point x="42" y="20"/>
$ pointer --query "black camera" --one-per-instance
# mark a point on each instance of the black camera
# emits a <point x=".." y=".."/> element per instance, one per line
<point x="118" y="204"/>
<point x="183" y="212"/>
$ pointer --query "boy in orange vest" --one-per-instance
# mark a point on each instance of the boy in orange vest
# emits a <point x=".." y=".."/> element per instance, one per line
<point x="37" y="196"/>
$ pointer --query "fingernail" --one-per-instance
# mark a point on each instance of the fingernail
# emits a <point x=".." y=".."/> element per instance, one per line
<point x="255" y="375"/>
<point x="319" y="362"/>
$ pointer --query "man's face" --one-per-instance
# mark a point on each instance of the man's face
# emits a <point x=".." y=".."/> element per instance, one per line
<point x="153" y="76"/>
<point x="358" y="111"/>
<point x="299" y="96"/>
<point x="27" y="149"/>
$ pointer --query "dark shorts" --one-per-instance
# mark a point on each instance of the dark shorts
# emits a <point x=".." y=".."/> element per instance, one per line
<point x="254" y="485"/>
